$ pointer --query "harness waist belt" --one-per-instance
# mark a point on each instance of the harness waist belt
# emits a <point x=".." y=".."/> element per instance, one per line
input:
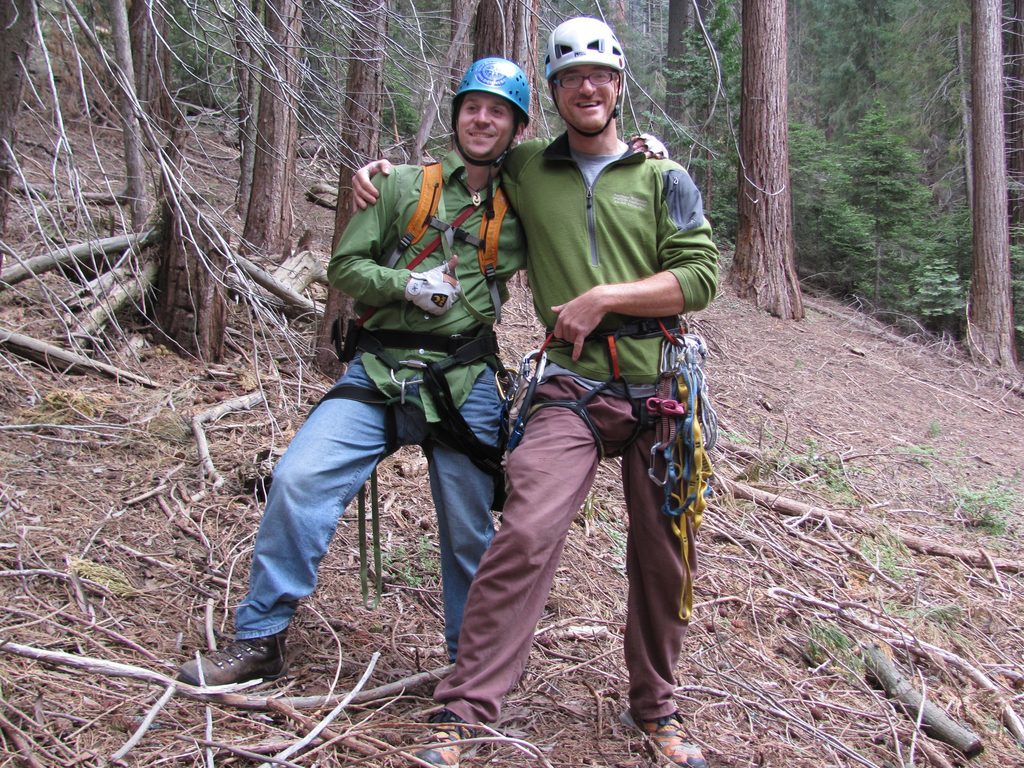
<point x="637" y="328"/>
<point x="464" y="347"/>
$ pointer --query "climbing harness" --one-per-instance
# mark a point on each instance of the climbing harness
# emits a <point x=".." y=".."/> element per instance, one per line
<point x="687" y="428"/>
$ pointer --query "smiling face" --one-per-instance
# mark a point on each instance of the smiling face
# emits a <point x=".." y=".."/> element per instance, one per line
<point x="485" y="125"/>
<point x="588" y="108"/>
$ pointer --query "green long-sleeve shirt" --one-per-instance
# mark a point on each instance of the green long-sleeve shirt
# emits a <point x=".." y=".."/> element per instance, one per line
<point x="640" y="217"/>
<point x="358" y="268"/>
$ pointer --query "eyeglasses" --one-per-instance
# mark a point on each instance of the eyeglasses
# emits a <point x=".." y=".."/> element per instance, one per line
<point x="575" y="80"/>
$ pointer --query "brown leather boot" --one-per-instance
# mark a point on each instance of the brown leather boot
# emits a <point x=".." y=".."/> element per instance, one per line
<point x="239" y="661"/>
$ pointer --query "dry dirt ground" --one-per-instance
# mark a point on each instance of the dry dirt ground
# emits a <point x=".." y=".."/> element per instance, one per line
<point x="889" y="515"/>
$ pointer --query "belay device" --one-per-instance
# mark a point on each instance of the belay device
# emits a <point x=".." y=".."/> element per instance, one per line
<point x="687" y="428"/>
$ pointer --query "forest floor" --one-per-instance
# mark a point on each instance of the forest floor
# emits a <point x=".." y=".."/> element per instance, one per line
<point x="890" y="515"/>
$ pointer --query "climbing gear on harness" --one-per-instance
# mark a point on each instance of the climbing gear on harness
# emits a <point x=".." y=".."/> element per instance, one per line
<point x="378" y="575"/>
<point x="687" y="428"/>
<point x="518" y="396"/>
<point x="525" y="384"/>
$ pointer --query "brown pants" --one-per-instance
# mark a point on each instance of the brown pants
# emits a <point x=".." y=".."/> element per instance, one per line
<point x="550" y="474"/>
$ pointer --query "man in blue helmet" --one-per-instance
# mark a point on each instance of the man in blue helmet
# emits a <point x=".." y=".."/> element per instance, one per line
<point x="423" y="372"/>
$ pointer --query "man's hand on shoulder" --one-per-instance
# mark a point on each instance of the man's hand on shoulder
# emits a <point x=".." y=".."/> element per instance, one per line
<point x="363" y="192"/>
<point x="650" y="145"/>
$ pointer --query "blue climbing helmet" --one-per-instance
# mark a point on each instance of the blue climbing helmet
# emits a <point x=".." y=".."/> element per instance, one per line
<point x="500" y="77"/>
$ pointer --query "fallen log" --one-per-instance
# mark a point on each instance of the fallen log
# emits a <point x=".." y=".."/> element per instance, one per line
<point x="775" y="502"/>
<point x="934" y="721"/>
<point x="57" y="359"/>
<point x="295" y="303"/>
<point x="49" y="261"/>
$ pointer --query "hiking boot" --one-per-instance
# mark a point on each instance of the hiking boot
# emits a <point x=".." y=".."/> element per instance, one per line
<point x="239" y="661"/>
<point x="671" y="740"/>
<point x="447" y="732"/>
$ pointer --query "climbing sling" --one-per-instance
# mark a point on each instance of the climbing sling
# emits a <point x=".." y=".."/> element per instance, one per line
<point x="687" y="428"/>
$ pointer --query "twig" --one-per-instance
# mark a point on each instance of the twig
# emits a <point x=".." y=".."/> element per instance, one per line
<point x="777" y="503"/>
<point x="309" y="737"/>
<point x="147" y="721"/>
<point x="914" y="645"/>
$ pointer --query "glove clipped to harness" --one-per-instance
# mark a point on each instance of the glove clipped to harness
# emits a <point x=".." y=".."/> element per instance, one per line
<point x="436" y="290"/>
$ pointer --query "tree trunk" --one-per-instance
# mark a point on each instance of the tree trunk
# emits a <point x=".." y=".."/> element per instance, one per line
<point x="17" y="25"/>
<point x="248" y="97"/>
<point x="764" y="268"/>
<point x="679" y="12"/>
<point x="509" y="29"/>
<point x="360" y="141"/>
<point x="1014" y="109"/>
<point x="461" y="21"/>
<point x="190" y="308"/>
<point x="135" y="180"/>
<point x="268" y="221"/>
<point x="990" y="313"/>
<point x="147" y="26"/>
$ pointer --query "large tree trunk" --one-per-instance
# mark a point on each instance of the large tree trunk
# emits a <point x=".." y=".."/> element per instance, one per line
<point x="1014" y="110"/>
<point x="764" y="268"/>
<point x="135" y="180"/>
<point x="248" y="98"/>
<point x="191" y="308"/>
<point x="360" y="140"/>
<point x="508" y="28"/>
<point x="679" y="12"/>
<point x="17" y="26"/>
<point x="990" y="313"/>
<point x="268" y="222"/>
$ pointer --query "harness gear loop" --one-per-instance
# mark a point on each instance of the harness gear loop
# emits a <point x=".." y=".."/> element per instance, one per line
<point x="378" y="576"/>
<point x="686" y="430"/>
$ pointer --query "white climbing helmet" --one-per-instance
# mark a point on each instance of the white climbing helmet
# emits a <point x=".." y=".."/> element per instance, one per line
<point x="583" y="40"/>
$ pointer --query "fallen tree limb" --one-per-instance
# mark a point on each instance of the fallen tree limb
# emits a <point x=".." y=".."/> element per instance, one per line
<point x="935" y="722"/>
<point x="61" y="360"/>
<point x="323" y="194"/>
<point x="211" y="415"/>
<point x="124" y="286"/>
<point x="226" y="694"/>
<point x="295" y="303"/>
<point x="916" y="646"/>
<point x="49" y="261"/>
<point x="775" y="502"/>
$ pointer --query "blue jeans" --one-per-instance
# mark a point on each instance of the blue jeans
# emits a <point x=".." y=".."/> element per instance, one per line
<point x="327" y="462"/>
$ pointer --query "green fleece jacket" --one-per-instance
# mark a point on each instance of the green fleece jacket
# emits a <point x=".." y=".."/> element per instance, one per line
<point x="358" y="268"/>
<point x="640" y="217"/>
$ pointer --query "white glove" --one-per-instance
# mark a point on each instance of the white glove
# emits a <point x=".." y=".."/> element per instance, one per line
<point x="434" y="291"/>
<point x="650" y="145"/>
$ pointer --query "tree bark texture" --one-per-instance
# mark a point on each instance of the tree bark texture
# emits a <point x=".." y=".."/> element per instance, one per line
<point x="147" y="25"/>
<point x="268" y="222"/>
<point x="679" y="12"/>
<point x="248" y="98"/>
<point x="990" y="312"/>
<point x="17" y="25"/>
<point x="190" y="307"/>
<point x="127" y="100"/>
<point x="360" y="141"/>
<point x="764" y="268"/>
<point x="1014" y="111"/>
<point x="508" y="29"/>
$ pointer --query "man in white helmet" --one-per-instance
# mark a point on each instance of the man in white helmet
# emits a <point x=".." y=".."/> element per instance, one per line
<point x="618" y="247"/>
